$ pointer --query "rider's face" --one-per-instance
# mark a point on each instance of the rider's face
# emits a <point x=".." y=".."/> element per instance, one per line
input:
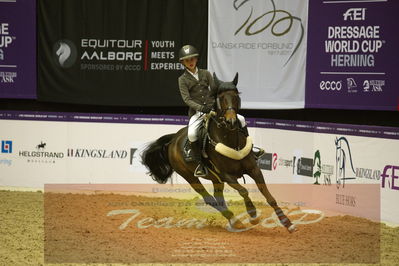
<point x="190" y="63"/>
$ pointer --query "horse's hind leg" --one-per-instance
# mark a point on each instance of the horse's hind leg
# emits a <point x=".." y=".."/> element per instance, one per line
<point x="208" y="198"/>
<point x="219" y="196"/>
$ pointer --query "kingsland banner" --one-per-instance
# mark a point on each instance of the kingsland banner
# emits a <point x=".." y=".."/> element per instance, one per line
<point x="116" y="52"/>
<point x="265" y="42"/>
<point x="352" y="55"/>
<point x="18" y="49"/>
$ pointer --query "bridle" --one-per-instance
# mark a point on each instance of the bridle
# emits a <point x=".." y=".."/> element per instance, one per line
<point x="220" y="119"/>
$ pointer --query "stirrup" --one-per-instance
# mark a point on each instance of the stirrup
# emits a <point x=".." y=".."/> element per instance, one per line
<point x="200" y="171"/>
<point x="258" y="152"/>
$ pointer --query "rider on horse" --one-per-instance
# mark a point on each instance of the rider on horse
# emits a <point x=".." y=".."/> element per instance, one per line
<point x="198" y="91"/>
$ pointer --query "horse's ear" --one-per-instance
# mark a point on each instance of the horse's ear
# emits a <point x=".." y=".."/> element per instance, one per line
<point x="217" y="81"/>
<point x="235" y="80"/>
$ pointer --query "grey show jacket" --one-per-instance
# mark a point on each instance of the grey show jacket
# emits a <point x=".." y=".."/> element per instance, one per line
<point x="197" y="93"/>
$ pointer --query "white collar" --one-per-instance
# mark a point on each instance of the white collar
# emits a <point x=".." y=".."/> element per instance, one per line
<point x="195" y="74"/>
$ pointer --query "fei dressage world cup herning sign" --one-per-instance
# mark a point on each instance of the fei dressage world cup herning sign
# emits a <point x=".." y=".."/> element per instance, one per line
<point x="264" y="41"/>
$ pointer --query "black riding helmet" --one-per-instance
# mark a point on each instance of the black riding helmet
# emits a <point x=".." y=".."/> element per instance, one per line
<point x="188" y="51"/>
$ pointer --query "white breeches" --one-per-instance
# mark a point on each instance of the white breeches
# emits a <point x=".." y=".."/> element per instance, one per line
<point x="195" y="123"/>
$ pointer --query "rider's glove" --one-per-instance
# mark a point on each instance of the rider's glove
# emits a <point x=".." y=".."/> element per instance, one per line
<point x="206" y="109"/>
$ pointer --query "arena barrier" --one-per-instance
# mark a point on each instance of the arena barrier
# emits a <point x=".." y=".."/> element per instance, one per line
<point x="340" y="164"/>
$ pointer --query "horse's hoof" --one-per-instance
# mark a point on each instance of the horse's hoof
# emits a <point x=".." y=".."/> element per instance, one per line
<point x="255" y="220"/>
<point x="238" y="225"/>
<point x="292" y="228"/>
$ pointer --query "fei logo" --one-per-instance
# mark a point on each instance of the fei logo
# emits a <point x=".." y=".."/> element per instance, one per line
<point x="389" y="172"/>
<point x="6" y="146"/>
<point x="355" y="14"/>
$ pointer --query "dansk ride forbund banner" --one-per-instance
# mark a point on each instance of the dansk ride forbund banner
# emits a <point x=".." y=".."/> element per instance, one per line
<point x="352" y="55"/>
<point x="18" y="49"/>
<point x="116" y="52"/>
<point x="265" y="42"/>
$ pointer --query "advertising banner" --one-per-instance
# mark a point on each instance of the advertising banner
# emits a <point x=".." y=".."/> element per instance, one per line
<point x="18" y="49"/>
<point x="352" y="55"/>
<point x="334" y="160"/>
<point x="116" y="52"/>
<point x="265" y="42"/>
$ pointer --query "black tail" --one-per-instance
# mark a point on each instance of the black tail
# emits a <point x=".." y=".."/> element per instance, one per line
<point x="155" y="158"/>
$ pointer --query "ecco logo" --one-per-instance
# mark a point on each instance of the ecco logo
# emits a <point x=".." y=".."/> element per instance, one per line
<point x="355" y="14"/>
<point x="331" y="85"/>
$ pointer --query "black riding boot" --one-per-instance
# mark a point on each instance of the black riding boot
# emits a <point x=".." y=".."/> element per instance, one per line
<point x="200" y="170"/>
<point x="258" y="152"/>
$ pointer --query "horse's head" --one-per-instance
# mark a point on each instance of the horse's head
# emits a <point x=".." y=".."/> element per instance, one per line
<point x="228" y="100"/>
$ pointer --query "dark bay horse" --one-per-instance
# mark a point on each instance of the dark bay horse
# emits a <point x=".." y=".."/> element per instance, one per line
<point x="229" y="154"/>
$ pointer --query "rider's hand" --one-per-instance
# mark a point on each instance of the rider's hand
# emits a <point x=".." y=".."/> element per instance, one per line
<point x="206" y="109"/>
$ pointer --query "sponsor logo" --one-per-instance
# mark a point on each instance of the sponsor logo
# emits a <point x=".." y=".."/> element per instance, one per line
<point x="373" y="85"/>
<point x="268" y="161"/>
<point x="6" y="146"/>
<point x="132" y="152"/>
<point x="5" y="39"/>
<point x="327" y="171"/>
<point x="302" y="166"/>
<point x="5" y="162"/>
<point x="351" y="85"/>
<point x="275" y="21"/>
<point x="389" y="174"/>
<point x="317" y="166"/>
<point x="7" y="77"/>
<point x="355" y="14"/>
<point x="65" y="53"/>
<point x="343" y="155"/>
<point x="285" y="163"/>
<point x="275" y="157"/>
<point x="368" y="173"/>
<point x="331" y="85"/>
<point x="366" y="86"/>
<point x="265" y="162"/>
<point x="41" y="155"/>
<point x="320" y="169"/>
<point x="97" y="153"/>
<point x="345" y="200"/>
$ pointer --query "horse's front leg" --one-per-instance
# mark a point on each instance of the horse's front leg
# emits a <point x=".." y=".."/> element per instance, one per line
<point x="196" y="184"/>
<point x="251" y="210"/>
<point x="257" y="175"/>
